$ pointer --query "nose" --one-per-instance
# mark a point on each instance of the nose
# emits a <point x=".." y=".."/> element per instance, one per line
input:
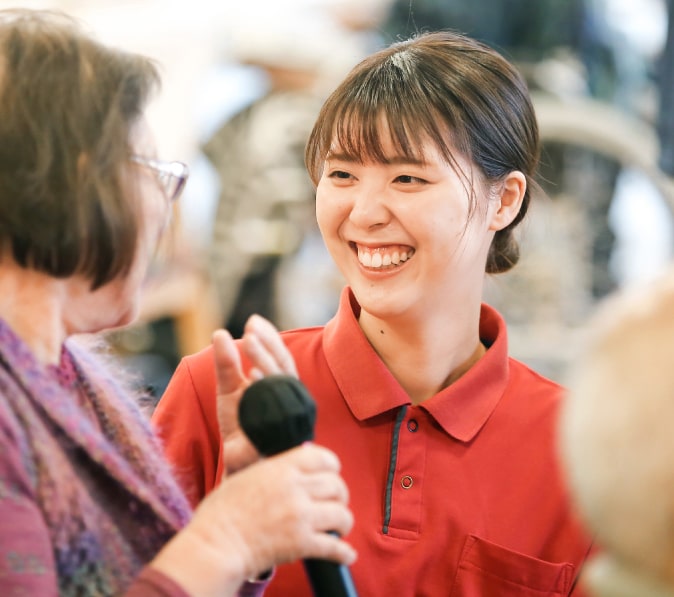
<point x="369" y="208"/>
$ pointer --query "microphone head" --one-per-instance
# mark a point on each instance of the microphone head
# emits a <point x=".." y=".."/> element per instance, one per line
<point x="277" y="413"/>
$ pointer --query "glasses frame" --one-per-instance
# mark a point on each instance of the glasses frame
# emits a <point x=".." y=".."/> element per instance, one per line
<point x="172" y="176"/>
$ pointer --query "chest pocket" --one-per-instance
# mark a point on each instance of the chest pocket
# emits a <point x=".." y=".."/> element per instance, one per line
<point x="487" y="569"/>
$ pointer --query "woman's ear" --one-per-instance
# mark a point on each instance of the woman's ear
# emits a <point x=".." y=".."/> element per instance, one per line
<point x="510" y="194"/>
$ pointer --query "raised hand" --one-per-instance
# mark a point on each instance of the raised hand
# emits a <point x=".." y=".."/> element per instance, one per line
<point x="262" y="344"/>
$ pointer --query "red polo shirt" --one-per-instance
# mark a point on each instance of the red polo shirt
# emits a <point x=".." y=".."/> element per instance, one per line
<point x="461" y="495"/>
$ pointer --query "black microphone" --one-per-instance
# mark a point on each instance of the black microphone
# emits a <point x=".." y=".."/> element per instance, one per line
<point x="277" y="413"/>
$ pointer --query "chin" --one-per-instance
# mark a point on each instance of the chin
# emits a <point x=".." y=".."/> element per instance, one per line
<point x="121" y="319"/>
<point x="128" y="317"/>
<point x="379" y="302"/>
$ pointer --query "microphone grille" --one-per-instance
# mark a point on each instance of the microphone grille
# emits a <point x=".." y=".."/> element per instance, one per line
<point x="277" y="413"/>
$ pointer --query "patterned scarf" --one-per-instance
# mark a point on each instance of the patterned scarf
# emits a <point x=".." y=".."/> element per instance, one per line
<point x="106" y="494"/>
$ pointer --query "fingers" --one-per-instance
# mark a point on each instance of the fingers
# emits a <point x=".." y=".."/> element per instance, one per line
<point x="312" y="458"/>
<point x="328" y="546"/>
<point x="238" y="452"/>
<point x="332" y="517"/>
<point x="280" y="509"/>
<point x="321" y="486"/>
<point x="326" y="490"/>
<point x="228" y="371"/>
<point x="318" y="466"/>
<point x="230" y="384"/>
<point x="264" y="346"/>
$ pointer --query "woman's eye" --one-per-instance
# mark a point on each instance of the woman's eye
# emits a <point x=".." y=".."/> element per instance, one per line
<point x="340" y="176"/>
<point x="408" y="179"/>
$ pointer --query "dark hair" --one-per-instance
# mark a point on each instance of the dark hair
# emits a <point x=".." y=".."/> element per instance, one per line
<point x="442" y="86"/>
<point x="68" y="106"/>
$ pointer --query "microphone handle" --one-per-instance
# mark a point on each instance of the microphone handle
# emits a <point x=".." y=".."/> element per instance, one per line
<point x="277" y="413"/>
<point x="329" y="579"/>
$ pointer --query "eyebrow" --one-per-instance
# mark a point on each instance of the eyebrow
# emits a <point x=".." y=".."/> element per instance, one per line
<point x="394" y="160"/>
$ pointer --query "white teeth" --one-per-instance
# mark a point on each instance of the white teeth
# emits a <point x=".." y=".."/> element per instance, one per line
<point x="377" y="259"/>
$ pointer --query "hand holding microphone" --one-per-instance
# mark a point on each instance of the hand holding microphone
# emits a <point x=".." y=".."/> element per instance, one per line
<point x="277" y="414"/>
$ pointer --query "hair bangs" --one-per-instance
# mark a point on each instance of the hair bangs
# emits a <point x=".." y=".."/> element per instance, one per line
<point x="376" y="137"/>
<point x="383" y="116"/>
<point x="368" y="136"/>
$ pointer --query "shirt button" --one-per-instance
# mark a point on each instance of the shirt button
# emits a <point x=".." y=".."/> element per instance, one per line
<point x="406" y="482"/>
<point x="412" y="425"/>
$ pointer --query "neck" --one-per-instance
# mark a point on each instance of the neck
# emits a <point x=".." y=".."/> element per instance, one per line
<point x="428" y="355"/>
<point x="31" y="303"/>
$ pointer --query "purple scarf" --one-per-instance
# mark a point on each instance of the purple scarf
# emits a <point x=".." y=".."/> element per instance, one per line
<point x="99" y="478"/>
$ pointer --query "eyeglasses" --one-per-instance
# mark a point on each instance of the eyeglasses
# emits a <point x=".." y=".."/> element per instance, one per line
<point x="172" y="176"/>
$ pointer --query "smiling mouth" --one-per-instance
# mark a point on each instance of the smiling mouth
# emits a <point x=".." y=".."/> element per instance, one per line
<point x="386" y="257"/>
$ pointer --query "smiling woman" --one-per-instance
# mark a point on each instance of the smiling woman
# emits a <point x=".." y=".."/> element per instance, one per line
<point x="394" y="110"/>
<point x="423" y="160"/>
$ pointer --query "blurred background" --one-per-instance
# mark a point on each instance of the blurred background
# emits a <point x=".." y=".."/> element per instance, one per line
<point x="243" y="82"/>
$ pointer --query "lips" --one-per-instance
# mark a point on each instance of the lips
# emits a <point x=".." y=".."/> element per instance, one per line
<point x="383" y="257"/>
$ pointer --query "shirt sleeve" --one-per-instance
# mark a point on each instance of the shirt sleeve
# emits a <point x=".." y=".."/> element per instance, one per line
<point x="186" y="422"/>
<point x="26" y="556"/>
<point x="253" y="588"/>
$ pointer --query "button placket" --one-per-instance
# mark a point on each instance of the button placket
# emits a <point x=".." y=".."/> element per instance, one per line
<point x="407" y="482"/>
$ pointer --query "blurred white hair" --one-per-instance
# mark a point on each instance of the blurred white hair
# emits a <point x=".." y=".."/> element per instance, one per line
<point x="618" y="429"/>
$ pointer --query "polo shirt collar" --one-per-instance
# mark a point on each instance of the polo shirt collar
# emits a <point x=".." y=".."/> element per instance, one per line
<point x="370" y="389"/>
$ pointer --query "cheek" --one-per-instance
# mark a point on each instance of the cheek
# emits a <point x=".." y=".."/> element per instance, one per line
<point x="154" y="204"/>
<point x="156" y="216"/>
<point x="325" y="210"/>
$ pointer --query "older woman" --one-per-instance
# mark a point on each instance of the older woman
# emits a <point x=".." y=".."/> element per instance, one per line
<point x="87" y="505"/>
